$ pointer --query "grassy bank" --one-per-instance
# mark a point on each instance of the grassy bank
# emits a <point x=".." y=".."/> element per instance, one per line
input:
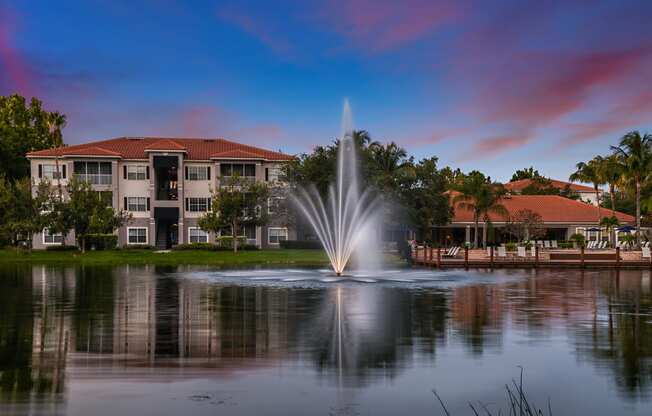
<point x="197" y="257"/>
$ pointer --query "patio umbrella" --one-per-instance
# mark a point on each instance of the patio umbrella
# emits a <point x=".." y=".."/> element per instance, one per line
<point x="625" y="229"/>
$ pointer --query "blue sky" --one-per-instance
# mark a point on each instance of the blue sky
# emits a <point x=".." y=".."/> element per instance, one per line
<point x="489" y="85"/>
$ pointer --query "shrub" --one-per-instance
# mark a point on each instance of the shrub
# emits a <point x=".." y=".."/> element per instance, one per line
<point x="301" y="244"/>
<point x="577" y="238"/>
<point x="510" y="246"/>
<point x="212" y="247"/>
<point x="101" y="241"/>
<point x="566" y="244"/>
<point x="198" y="246"/>
<point x="61" y="248"/>
<point x="227" y="241"/>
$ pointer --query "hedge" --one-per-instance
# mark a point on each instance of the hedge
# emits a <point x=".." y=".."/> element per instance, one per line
<point x="301" y="244"/>
<point x="61" y="248"/>
<point x="212" y="247"/>
<point x="101" y="241"/>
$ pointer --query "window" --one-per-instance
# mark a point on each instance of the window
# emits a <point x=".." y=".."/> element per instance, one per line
<point x="198" y="173"/>
<point x="273" y="204"/>
<point x="136" y="172"/>
<point x="137" y="203"/>
<point x="137" y="235"/>
<point x="197" y="235"/>
<point x="198" y="204"/>
<point x="276" y="235"/>
<point x="247" y="170"/>
<point x="95" y="173"/>
<point x="247" y="230"/>
<point x="52" y="238"/>
<point x="50" y="172"/>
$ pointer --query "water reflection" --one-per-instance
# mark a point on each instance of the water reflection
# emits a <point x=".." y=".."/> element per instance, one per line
<point x="144" y="324"/>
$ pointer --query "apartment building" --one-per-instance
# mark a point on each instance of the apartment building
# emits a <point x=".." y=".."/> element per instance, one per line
<point x="165" y="183"/>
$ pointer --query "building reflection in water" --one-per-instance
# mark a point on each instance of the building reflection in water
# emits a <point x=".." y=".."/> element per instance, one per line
<point x="101" y="323"/>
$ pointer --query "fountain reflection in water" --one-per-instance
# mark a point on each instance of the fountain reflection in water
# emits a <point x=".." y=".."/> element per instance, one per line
<point x="347" y="217"/>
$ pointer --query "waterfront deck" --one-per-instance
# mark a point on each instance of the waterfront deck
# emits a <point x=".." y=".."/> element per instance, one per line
<point x="544" y="258"/>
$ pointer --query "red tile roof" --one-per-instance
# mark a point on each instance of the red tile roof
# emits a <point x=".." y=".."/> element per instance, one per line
<point x="135" y="148"/>
<point x="552" y="208"/>
<point x="517" y="186"/>
<point x="165" y="144"/>
<point x="235" y="154"/>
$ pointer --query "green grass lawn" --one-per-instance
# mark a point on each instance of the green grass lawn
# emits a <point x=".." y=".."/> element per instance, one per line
<point x="197" y="257"/>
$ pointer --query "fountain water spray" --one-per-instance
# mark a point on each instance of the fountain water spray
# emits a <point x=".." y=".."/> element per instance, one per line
<point x="347" y="214"/>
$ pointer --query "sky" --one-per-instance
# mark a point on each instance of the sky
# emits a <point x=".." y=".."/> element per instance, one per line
<point x="487" y="85"/>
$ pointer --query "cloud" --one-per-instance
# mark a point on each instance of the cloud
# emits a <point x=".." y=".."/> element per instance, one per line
<point x="495" y="145"/>
<point x="14" y="76"/>
<point x="382" y="25"/>
<point x="258" y="28"/>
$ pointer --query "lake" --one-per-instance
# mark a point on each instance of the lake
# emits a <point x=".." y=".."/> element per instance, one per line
<point x="167" y="341"/>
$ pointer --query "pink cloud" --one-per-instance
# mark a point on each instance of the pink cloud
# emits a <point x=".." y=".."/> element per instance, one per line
<point x="381" y="25"/>
<point x="495" y="145"/>
<point x="258" y="28"/>
<point x="627" y="113"/>
<point x="15" y="76"/>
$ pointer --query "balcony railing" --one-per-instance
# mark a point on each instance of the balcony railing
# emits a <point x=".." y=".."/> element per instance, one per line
<point x="95" y="179"/>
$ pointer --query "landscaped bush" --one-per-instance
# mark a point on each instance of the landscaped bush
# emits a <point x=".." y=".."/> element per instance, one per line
<point x="198" y="246"/>
<point x="212" y="247"/>
<point x="101" y="241"/>
<point x="510" y="246"/>
<point x="61" y="248"/>
<point x="226" y="241"/>
<point x="565" y="244"/>
<point x="301" y="244"/>
<point x="577" y="238"/>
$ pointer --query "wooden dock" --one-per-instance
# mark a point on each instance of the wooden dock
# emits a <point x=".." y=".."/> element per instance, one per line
<point x="551" y="259"/>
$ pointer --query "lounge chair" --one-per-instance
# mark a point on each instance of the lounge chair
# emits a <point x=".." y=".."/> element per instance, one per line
<point x="546" y="244"/>
<point x="488" y="251"/>
<point x="521" y="252"/>
<point x="553" y="244"/>
<point x="502" y="252"/>
<point x="452" y="252"/>
<point x="646" y="253"/>
<point x="591" y="245"/>
<point x="533" y="251"/>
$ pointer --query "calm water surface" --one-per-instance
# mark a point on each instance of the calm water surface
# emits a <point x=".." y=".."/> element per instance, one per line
<point x="157" y="341"/>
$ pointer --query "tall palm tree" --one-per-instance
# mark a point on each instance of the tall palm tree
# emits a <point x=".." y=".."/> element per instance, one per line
<point x="611" y="171"/>
<point x="635" y="153"/>
<point x="589" y="173"/>
<point x="482" y="198"/>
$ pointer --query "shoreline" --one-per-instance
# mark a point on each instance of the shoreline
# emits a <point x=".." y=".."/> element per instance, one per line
<point x="277" y="257"/>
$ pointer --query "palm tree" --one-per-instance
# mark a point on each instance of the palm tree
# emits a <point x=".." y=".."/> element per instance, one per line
<point x="589" y="173"/>
<point x="610" y="223"/>
<point x="611" y="171"/>
<point x="635" y="154"/>
<point x="482" y="198"/>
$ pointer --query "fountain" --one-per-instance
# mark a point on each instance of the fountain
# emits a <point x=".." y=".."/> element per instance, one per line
<point x="346" y="216"/>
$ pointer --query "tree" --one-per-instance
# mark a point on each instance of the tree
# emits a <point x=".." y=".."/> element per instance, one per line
<point x="237" y="203"/>
<point x="527" y="173"/>
<point x="21" y="213"/>
<point x="526" y="225"/>
<point x="482" y="197"/>
<point x="25" y="128"/>
<point x="610" y="171"/>
<point x="422" y="196"/>
<point x="85" y="211"/>
<point x="589" y="172"/>
<point x="635" y="155"/>
<point x="610" y="223"/>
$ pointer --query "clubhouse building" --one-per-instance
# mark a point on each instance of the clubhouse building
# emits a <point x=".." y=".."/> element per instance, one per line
<point x="164" y="183"/>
